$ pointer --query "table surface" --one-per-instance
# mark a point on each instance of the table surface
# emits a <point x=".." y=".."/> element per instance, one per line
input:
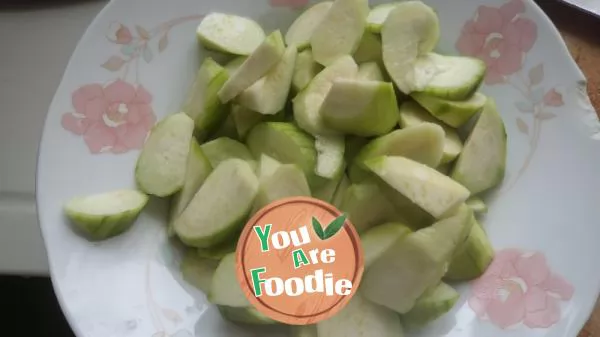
<point x="28" y="88"/>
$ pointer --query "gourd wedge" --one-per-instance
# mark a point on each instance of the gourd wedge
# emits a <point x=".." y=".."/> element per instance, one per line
<point x="482" y="163"/>
<point x="330" y="156"/>
<point x="285" y="143"/>
<point x="376" y="241"/>
<point x="328" y="191"/>
<point x="247" y="315"/>
<point x="267" y="166"/>
<point x="409" y="35"/>
<point x="226" y="129"/>
<point x="235" y="64"/>
<point x="423" y="143"/>
<point x="340" y="31"/>
<point x="219" y="208"/>
<point x="262" y="59"/>
<point x="378" y="15"/>
<point x="433" y="304"/>
<point x="412" y="114"/>
<point x="302" y="29"/>
<point x="104" y="215"/>
<point x="453" y="113"/>
<point x="369" y="48"/>
<point x="268" y="95"/>
<point x="417" y="263"/>
<point x="472" y="258"/>
<point x="405" y="210"/>
<point x="448" y="77"/>
<point x="307" y="104"/>
<point x="362" y="318"/>
<point x="410" y="30"/>
<point x="361" y="108"/>
<point x="221" y="149"/>
<point x="427" y="188"/>
<point x="161" y="166"/>
<point x="198" y="271"/>
<point x="225" y="288"/>
<point x="304" y="331"/>
<point x="218" y="252"/>
<point x="230" y="33"/>
<point x="340" y="192"/>
<point x="366" y="206"/>
<point x="202" y="103"/>
<point x="287" y="181"/>
<point x="305" y="70"/>
<point x="198" y="169"/>
<point x="245" y="119"/>
<point x="370" y="71"/>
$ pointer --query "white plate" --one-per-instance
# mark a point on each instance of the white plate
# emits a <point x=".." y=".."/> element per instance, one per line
<point x="142" y="55"/>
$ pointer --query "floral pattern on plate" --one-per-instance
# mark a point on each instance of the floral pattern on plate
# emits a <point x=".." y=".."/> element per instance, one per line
<point x="117" y="117"/>
<point x="499" y="36"/>
<point x="519" y="287"/>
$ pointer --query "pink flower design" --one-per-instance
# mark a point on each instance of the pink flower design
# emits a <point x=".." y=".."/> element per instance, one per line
<point x="115" y="118"/>
<point x="519" y="288"/>
<point x="500" y="37"/>
<point x="289" y="3"/>
<point x="553" y="98"/>
<point x="119" y="33"/>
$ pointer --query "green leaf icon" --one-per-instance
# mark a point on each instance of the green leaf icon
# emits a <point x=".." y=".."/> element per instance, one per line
<point x="335" y="226"/>
<point x="318" y="229"/>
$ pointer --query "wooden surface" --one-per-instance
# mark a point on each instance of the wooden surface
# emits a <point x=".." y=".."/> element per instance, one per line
<point x="581" y="32"/>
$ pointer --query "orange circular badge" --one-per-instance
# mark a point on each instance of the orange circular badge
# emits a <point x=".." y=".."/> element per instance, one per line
<point x="299" y="260"/>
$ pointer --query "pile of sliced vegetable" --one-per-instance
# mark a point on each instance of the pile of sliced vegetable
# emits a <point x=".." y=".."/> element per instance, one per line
<point x="351" y="106"/>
